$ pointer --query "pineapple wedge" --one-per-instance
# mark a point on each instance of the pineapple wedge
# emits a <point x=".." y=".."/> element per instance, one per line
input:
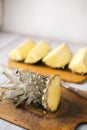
<point x="59" y="57"/>
<point x="79" y="61"/>
<point x="38" y="52"/>
<point x="20" y="53"/>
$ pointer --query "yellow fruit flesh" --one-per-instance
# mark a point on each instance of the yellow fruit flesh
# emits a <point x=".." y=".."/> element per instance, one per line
<point x="15" y="55"/>
<point x="59" y="57"/>
<point x="53" y="94"/>
<point x="23" y="49"/>
<point x="79" y="61"/>
<point x="38" y="52"/>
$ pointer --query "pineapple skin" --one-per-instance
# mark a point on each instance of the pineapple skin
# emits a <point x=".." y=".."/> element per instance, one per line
<point x="38" y="52"/>
<point x="59" y="57"/>
<point x="20" y="53"/>
<point x="78" y="63"/>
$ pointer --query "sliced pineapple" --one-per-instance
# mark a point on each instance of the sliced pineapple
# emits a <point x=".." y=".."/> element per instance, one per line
<point x="38" y="52"/>
<point x="59" y="57"/>
<point x="51" y="96"/>
<point x="19" y="53"/>
<point x="79" y="61"/>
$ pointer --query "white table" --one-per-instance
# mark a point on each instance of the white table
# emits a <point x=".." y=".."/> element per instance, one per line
<point x="9" y="41"/>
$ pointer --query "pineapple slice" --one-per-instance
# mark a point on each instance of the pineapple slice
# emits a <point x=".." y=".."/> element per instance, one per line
<point x="59" y="57"/>
<point x="51" y="97"/>
<point x="79" y="61"/>
<point x="38" y="52"/>
<point x="19" y="53"/>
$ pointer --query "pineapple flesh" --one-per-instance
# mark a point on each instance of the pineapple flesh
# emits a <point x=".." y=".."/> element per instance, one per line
<point x="31" y="87"/>
<point x="79" y="61"/>
<point x="59" y="57"/>
<point x="20" y="53"/>
<point x="51" y="97"/>
<point x="38" y="52"/>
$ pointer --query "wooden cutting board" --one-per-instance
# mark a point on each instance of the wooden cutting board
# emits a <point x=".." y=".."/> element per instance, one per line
<point x="71" y="112"/>
<point x="65" y="75"/>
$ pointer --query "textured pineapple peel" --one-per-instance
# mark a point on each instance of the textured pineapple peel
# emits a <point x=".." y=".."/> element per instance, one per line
<point x="32" y="87"/>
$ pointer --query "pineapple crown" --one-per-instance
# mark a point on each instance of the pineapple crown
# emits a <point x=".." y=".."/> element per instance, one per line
<point x="23" y="85"/>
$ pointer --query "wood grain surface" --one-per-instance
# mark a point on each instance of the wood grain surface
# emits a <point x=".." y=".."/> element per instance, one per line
<point x="65" y="74"/>
<point x="71" y="112"/>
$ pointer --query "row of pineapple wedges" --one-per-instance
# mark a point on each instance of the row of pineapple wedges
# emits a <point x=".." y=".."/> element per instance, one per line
<point x="30" y="52"/>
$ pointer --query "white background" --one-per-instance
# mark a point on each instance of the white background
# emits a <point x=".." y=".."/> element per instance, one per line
<point x="64" y="20"/>
<point x="0" y="13"/>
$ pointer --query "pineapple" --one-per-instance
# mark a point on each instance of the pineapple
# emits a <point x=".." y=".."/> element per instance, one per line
<point x="19" y="53"/>
<point x="79" y="61"/>
<point x="59" y="57"/>
<point x="38" y="52"/>
<point x="51" y="96"/>
<point x="32" y="87"/>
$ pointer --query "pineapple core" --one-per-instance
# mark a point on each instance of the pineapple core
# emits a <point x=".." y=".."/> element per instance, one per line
<point x="53" y="93"/>
<point x="20" y="53"/>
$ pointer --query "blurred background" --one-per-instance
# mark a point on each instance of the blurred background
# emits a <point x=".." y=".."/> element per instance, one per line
<point x="63" y="20"/>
